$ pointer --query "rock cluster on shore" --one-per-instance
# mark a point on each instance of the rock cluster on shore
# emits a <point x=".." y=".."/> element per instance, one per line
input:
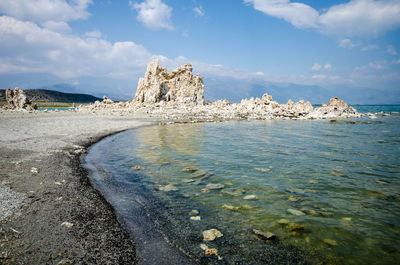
<point x="17" y="100"/>
<point x="179" y="95"/>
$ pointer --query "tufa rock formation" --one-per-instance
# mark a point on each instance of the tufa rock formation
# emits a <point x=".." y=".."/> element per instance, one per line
<point x="179" y="86"/>
<point x="17" y="100"/>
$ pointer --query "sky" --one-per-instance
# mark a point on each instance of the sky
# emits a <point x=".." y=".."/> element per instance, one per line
<point x="241" y="47"/>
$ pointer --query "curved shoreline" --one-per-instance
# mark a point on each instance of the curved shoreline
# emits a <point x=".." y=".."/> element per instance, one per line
<point x="60" y="218"/>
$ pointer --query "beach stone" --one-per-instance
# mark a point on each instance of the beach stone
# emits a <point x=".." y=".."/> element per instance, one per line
<point x="67" y="224"/>
<point x="210" y="235"/>
<point x="295" y="212"/>
<point x="169" y="187"/>
<point x="330" y="242"/>
<point x="195" y="218"/>
<point x="250" y="197"/>
<point x="215" y="186"/>
<point x="264" y="235"/>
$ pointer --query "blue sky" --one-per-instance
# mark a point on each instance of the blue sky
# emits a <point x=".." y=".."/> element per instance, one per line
<point x="343" y="48"/>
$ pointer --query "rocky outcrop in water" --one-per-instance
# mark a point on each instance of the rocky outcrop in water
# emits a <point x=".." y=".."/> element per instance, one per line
<point x="179" y="86"/>
<point x="17" y="100"/>
<point x="180" y="96"/>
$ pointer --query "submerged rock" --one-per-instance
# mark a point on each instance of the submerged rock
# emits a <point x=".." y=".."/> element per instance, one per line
<point x="210" y="235"/>
<point x="215" y="186"/>
<point x="250" y="197"/>
<point x="264" y="235"/>
<point x="190" y="169"/>
<point x="195" y="218"/>
<point x="295" y="212"/>
<point x="330" y="242"/>
<point x="169" y="187"/>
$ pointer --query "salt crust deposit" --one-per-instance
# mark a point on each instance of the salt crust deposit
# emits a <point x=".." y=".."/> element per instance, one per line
<point x="179" y="96"/>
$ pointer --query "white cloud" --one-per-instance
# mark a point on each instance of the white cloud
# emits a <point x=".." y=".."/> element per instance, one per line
<point x="347" y="43"/>
<point x="370" y="48"/>
<point x="30" y="48"/>
<point x="94" y="34"/>
<point x="42" y="11"/>
<point x="259" y="74"/>
<point x="316" y="67"/>
<point x="199" y="11"/>
<point x="58" y="26"/>
<point x="328" y="66"/>
<point x="376" y="65"/>
<point x="396" y="61"/>
<point x="319" y="76"/>
<point x="362" y="18"/>
<point x="154" y="14"/>
<point x="298" y="14"/>
<point x="391" y="50"/>
<point x="185" y="33"/>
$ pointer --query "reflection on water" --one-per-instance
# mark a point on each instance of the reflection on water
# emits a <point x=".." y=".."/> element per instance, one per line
<point x="329" y="191"/>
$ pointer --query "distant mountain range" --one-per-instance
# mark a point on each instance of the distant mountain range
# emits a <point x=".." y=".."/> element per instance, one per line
<point x="44" y="95"/>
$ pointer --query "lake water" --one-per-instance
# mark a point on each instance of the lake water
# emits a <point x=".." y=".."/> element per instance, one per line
<point x="328" y="190"/>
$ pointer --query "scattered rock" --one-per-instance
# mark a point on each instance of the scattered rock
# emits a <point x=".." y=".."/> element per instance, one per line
<point x="194" y="212"/>
<point x="295" y="228"/>
<point x="188" y="180"/>
<point x="195" y="218"/>
<point x="169" y="187"/>
<point x="233" y="192"/>
<point x="203" y="246"/>
<point x="67" y="224"/>
<point x="190" y="169"/>
<point x="230" y="207"/>
<point x="262" y="169"/>
<point x="294" y="199"/>
<point x="210" y="235"/>
<point x="215" y="186"/>
<point x="295" y="212"/>
<point x="205" y="191"/>
<point x="250" y="197"/>
<point x="330" y="242"/>
<point x="348" y="219"/>
<point x="283" y="221"/>
<point x="264" y="235"/>
<point x="211" y="252"/>
<point x="34" y="170"/>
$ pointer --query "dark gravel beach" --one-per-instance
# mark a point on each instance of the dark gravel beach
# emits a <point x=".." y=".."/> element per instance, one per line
<point x="50" y="214"/>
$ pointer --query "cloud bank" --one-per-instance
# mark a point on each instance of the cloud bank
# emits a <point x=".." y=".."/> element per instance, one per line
<point x="357" y="18"/>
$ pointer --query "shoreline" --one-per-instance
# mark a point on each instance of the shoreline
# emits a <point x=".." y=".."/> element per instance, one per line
<point x="58" y="217"/>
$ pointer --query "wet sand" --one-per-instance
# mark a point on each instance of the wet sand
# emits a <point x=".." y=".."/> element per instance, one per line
<point x="49" y="212"/>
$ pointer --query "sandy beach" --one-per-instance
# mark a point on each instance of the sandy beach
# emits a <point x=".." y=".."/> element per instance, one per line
<point x="49" y="212"/>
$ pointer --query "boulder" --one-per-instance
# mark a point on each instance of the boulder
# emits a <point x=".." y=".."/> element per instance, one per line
<point x="179" y="86"/>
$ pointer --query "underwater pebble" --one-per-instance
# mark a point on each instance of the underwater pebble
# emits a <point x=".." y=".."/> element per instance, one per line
<point x="295" y="212"/>
<point x="188" y="180"/>
<point x="195" y="218"/>
<point x="169" y="187"/>
<point x="294" y="199"/>
<point x="190" y="169"/>
<point x="215" y="186"/>
<point x="210" y="235"/>
<point x="230" y="207"/>
<point x="262" y="169"/>
<point x="137" y="167"/>
<point x="283" y="221"/>
<point x="250" y="197"/>
<point x="205" y="191"/>
<point x="330" y="242"/>
<point x="194" y="212"/>
<point x="347" y="219"/>
<point x="211" y="252"/>
<point x="264" y="235"/>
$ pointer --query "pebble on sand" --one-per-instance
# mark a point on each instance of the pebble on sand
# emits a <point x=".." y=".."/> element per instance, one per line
<point x="67" y="224"/>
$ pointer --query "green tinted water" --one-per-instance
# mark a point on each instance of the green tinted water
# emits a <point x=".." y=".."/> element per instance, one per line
<point x="335" y="184"/>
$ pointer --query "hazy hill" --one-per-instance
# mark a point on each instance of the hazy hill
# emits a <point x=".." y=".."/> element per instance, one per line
<point x="44" y="95"/>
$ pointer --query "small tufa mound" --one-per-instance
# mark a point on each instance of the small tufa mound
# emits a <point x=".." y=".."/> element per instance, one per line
<point x="179" y="86"/>
<point x="17" y="100"/>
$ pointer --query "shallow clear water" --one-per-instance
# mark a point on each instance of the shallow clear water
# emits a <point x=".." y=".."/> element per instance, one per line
<point x="343" y="176"/>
